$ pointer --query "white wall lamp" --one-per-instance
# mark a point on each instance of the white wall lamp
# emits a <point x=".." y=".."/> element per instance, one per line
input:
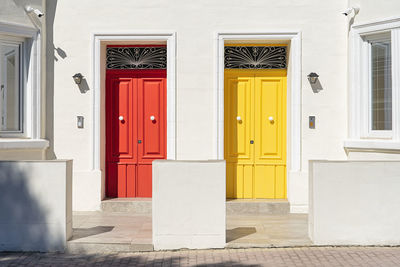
<point x="312" y="77"/>
<point x="78" y="78"/>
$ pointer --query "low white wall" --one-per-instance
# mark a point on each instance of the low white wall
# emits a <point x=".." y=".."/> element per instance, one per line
<point x="35" y="205"/>
<point x="188" y="204"/>
<point x="87" y="193"/>
<point x="354" y="202"/>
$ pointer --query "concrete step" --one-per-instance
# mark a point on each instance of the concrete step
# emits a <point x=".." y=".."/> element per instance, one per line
<point x="132" y="205"/>
<point x="233" y="206"/>
<point x="95" y="248"/>
<point x="257" y="207"/>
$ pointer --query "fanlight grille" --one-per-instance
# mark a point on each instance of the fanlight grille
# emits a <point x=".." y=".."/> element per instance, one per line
<point x="136" y="57"/>
<point x="255" y="57"/>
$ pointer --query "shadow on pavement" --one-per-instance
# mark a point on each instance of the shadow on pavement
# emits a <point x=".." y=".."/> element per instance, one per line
<point x="239" y="232"/>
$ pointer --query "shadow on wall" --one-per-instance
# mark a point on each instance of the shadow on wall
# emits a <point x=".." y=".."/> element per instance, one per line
<point x="60" y="52"/>
<point x="83" y="86"/>
<point x="316" y="87"/>
<point x="22" y="215"/>
<point x="50" y="59"/>
<point x="54" y="54"/>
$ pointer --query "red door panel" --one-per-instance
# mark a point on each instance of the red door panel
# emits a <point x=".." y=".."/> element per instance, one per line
<point x="111" y="179"/>
<point x="122" y="119"/>
<point x="151" y="119"/>
<point x="131" y="180"/>
<point x="133" y="137"/>
<point x="144" y="181"/>
<point x="121" y="180"/>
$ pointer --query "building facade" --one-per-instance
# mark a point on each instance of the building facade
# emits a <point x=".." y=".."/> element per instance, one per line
<point x="204" y="80"/>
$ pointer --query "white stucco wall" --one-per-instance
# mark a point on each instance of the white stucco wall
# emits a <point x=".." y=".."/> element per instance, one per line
<point x="372" y="11"/>
<point x="35" y="205"/>
<point x="188" y="204"/>
<point x="324" y="49"/>
<point x="354" y="202"/>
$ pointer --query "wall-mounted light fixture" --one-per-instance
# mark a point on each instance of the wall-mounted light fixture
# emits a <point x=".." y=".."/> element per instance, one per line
<point x="78" y="78"/>
<point x="312" y="77"/>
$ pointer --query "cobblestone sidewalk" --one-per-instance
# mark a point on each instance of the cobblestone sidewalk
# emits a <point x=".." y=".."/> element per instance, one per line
<point x="305" y="256"/>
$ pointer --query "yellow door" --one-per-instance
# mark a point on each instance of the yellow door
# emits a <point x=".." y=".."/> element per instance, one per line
<point x="255" y="133"/>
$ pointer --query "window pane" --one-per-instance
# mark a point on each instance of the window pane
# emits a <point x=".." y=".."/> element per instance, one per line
<point x="381" y="95"/>
<point x="10" y="95"/>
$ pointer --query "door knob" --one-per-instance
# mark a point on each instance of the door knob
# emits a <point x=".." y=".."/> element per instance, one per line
<point x="238" y="118"/>
<point x="271" y="119"/>
<point x="121" y="118"/>
<point x="152" y="118"/>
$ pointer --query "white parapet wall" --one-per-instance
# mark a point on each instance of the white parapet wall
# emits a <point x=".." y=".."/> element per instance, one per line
<point x="35" y="205"/>
<point x="354" y="202"/>
<point x="188" y="204"/>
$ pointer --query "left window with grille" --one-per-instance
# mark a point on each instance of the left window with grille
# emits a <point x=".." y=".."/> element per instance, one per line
<point x="11" y="91"/>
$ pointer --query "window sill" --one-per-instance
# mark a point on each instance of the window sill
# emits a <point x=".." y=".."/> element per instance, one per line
<point x="21" y="144"/>
<point x="371" y="145"/>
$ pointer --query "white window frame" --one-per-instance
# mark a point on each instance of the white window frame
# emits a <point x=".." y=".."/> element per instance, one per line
<point x="360" y="133"/>
<point x="367" y="103"/>
<point x="20" y="45"/>
<point x="30" y="77"/>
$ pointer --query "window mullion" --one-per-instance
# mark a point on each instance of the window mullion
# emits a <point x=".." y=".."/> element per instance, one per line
<point x="364" y="92"/>
<point x="395" y="36"/>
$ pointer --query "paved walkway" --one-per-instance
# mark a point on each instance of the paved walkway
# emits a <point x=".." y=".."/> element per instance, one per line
<point x="305" y="256"/>
<point x="98" y="232"/>
<point x="267" y="231"/>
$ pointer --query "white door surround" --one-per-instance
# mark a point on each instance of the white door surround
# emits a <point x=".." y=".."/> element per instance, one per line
<point x="293" y="39"/>
<point x="99" y="39"/>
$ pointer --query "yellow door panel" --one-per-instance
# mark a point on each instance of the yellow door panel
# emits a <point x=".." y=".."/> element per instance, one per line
<point x="270" y="118"/>
<point x="264" y="181"/>
<point x="280" y="181"/>
<point x="230" y="177"/>
<point x="255" y="133"/>
<point x="248" y="181"/>
<point x="269" y="181"/>
<point x="238" y="180"/>
<point x="239" y="118"/>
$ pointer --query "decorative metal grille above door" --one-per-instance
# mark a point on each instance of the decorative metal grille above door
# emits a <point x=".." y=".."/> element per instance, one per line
<point x="255" y="57"/>
<point x="146" y="57"/>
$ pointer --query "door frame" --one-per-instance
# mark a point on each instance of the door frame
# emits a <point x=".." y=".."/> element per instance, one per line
<point x="293" y="129"/>
<point x="99" y="41"/>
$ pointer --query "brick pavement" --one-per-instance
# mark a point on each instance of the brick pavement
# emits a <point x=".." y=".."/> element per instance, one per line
<point x="304" y="256"/>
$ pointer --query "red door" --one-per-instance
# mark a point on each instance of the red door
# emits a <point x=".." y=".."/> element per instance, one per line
<point x="135" y="130"/>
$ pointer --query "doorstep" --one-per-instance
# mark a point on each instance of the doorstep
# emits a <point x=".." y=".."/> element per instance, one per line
<point x="257" y="207"/>
<point x="132" y="205"/>
<point x="233" y="206"/>
<point x="110" y="232"/>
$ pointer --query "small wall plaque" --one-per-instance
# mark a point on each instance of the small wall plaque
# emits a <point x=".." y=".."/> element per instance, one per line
<point x="79" y="122"/>
<point x="311" y="122"/>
